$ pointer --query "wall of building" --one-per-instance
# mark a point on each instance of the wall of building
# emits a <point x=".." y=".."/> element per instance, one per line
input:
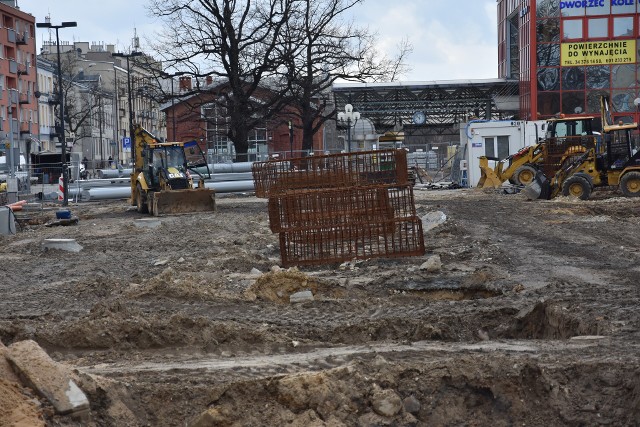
<point x="572" y="53"/>
<point x="496" y="139"/>
<point x="272" y="137"/>
<point x="18" y="103"/>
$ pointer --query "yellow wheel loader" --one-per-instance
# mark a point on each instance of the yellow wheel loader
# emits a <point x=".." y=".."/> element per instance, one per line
<point x="162" y="181"/>
<point x="565" y="139"/>
<point x="613" y="163"/>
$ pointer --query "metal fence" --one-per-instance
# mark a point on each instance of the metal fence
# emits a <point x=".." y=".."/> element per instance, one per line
<point x="39" y="182"/>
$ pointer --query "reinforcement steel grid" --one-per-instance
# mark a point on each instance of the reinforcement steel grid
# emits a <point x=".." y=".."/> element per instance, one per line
<point x="341" y="207"/>
<point x="330" y="171"/>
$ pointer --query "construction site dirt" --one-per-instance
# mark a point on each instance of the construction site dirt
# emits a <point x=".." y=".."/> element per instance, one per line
<point x="520" y="313"/>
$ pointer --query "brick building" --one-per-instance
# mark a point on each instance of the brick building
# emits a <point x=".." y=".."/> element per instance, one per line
<point x="18" y="104"/>
<point x="197" y="117"/>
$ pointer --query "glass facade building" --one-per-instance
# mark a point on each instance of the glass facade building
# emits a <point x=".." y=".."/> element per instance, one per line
<point x="567" y="53"/>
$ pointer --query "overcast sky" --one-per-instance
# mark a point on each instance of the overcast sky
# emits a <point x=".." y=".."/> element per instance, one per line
<point x="451" y="39"/>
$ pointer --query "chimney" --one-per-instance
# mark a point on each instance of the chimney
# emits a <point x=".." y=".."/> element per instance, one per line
<point x="185" y="83"/>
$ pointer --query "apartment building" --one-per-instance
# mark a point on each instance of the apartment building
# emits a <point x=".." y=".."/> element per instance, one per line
<point x="18" y="103"/>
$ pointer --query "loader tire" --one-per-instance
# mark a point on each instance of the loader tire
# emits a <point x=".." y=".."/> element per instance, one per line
<point x="577" y="186"/>
<point x="630" y="184"/>
<point x="524" y="175"/>
<point x="141" y="202"/>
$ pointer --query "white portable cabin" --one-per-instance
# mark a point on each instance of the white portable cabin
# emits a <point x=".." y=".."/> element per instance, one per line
<point x="496" y="138"/>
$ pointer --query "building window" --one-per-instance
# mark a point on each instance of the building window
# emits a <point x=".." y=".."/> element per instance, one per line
<point x="571" y="8"/>
<point x="503" y="147"/>
<point x="548" y="79"/>
<point x="598" y="28"/>
<point x="573" y="78"/>
<point x="598" y="77"/>
<point x="628" y="7"/>
<point x="571" y="29"/>
<point x="489" y="149"/>
<point x="548" y="31"/>
<point x="545" y="8"/>
<point x="623" y="26"/>
<point x="498" y="144"/>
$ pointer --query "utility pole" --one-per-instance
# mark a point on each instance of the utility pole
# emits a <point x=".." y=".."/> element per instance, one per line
<point x="61" y="136"/>
<point x="127" y="56"/>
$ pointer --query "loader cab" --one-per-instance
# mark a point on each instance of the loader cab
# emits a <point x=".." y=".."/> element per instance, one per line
<point x="569" y="128"/>
<point x="165" y="163"/>
<point x="619" y="149"/>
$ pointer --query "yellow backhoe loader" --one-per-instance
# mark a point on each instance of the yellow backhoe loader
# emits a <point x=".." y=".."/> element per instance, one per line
<point x="613" y="163"/>
<point x="565" y="139"/>
<point x="162" y="181"/>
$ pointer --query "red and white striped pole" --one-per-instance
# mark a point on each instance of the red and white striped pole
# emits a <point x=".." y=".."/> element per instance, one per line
<point x="60" y="189"/>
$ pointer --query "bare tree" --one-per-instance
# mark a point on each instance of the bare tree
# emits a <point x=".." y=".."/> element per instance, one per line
<point x="324" y="48"/>
<point x="234" y="43"/>
<point x="80" y="96"/>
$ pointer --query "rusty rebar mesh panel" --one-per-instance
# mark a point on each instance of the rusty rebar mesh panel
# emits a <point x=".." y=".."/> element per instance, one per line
<point x="340" y="206"/>
<point x="561" y="150"/>
<point x="359" y="168"/>
<point x="398" y="237"/>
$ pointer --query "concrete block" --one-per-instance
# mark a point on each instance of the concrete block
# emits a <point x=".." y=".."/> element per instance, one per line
<point x="46" y="377"/>
<point x="302" y="296"/>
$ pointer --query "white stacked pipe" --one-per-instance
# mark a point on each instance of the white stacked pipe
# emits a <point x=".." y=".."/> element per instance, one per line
<point x="100" y="193"/>
<point x="114" y="173"/>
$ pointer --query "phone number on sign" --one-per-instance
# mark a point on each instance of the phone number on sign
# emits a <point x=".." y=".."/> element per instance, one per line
<point x="570" y="62"/>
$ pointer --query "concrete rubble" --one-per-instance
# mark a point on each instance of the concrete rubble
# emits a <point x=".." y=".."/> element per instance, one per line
<point x="48" y="378"/>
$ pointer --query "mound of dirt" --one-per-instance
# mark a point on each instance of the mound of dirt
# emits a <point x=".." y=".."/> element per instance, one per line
<point x="17" y="409"/>
<point x="278" y="286"/>
<point x="170" y="284"/>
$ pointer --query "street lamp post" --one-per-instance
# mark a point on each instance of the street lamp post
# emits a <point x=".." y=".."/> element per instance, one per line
<point x="291" y="139"/>
<point x="350" y="118"/>
<point x="61" y="136"/>
<point x="127" y="56"/>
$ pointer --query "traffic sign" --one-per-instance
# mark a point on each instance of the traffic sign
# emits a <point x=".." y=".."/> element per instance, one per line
<point x="126" y="144"/>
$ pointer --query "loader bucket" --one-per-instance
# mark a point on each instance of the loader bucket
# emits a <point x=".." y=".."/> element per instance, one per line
<point x="539" y="188"/>
<point x="182" y="201"/>
<point x="488" y="176"/>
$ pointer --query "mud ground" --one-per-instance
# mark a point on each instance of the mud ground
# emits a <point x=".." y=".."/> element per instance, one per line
<point x="533" y="318"/>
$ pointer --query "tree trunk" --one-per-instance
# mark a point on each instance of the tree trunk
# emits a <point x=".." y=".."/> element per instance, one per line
<point x="241" y="144"/>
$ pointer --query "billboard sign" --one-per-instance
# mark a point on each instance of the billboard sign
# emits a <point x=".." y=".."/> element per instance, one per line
<point x="598" y="53"/>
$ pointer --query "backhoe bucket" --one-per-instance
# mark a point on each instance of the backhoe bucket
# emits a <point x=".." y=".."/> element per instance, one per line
<point x="539" y="188"/>
<point x="182" y="201"/>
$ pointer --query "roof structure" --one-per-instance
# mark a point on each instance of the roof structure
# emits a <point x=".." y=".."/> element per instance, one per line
<point x="445" y="103"/>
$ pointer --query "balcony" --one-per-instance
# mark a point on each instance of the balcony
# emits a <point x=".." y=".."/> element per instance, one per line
<point x="23" y="69"/>
<point x="25" y="98"/>
<point x="25" y="127"/>
<point x="22" y="38"/>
